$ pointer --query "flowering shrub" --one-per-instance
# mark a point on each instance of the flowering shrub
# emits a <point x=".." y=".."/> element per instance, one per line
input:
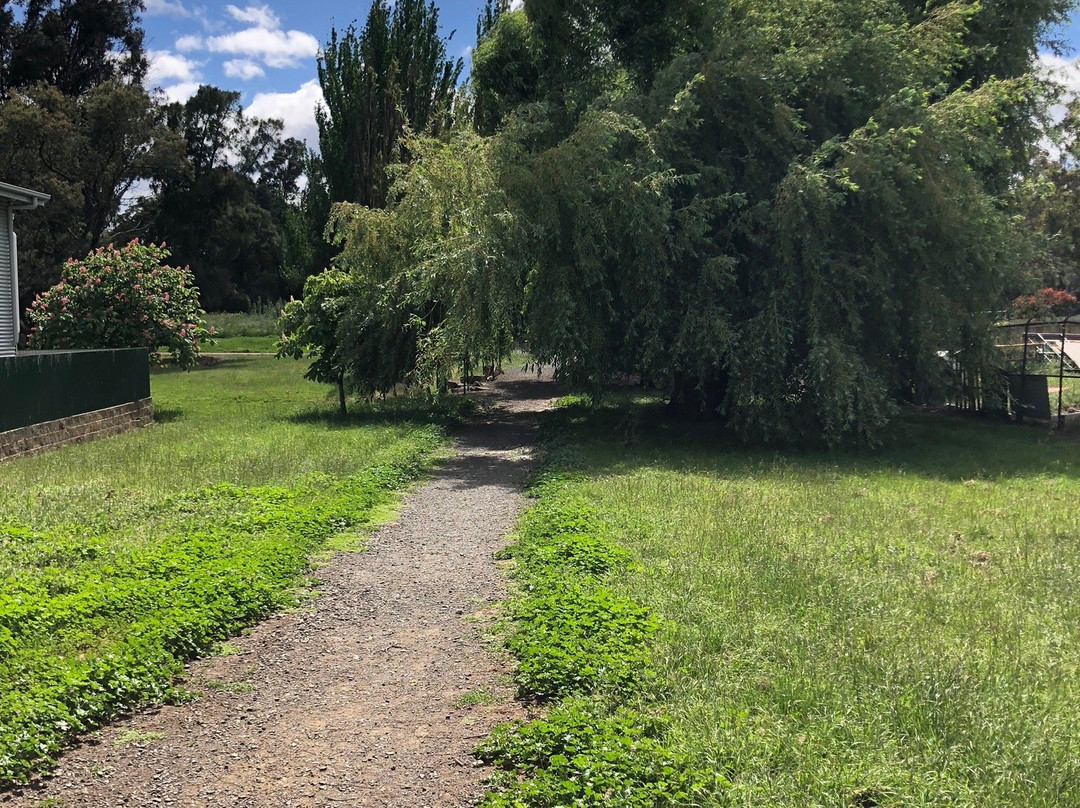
<point x="122" y="298"/>
<point x="1043" y="303"/>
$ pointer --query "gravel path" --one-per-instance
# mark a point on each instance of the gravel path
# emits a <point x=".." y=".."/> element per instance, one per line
<point x="375" y="695"/>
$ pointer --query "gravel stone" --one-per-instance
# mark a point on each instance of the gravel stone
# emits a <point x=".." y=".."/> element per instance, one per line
<point x="375" y="692"/>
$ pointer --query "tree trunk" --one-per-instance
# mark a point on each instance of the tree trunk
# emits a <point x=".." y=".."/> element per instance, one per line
<point x="694" y="399"/>
<point x="341" y="395"/>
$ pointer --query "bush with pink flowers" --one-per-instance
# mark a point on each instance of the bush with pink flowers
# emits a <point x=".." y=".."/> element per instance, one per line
<point x="122" y="297"/>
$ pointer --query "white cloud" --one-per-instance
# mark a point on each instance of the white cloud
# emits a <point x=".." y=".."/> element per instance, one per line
<point x="516" y="5"/>
<point x="263" y="41"/>
<point x="275" y="48"/>
<point x="296" y="109"/>
<point x="1064" y="71"/>
<point x="160" y="8"/>
<point x="190" y="42"/>
<point x="259" y="16"/>
<point x="243" y="69"/>
<point x="181" y="92"/>
<point x="165" y="66"/>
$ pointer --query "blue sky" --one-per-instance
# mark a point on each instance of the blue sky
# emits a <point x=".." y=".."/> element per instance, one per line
<point x="266" y="50"/>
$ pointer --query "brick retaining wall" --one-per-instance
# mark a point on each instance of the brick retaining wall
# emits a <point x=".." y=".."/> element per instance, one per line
<point x="32" y="440"/>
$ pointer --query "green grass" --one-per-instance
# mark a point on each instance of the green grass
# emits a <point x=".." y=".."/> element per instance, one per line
<point x="120" y="559"/>
<point x="256" y="344"/>
<point x="259" y="322"/>
<point x="895" y="629"/>
<point x="581" y="649"/>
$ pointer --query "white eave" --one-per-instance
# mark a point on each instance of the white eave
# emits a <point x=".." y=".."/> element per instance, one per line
<point x="22" y="198"/>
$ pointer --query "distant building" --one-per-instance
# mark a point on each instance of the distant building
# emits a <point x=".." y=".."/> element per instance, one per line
<point x="12" y="198"/>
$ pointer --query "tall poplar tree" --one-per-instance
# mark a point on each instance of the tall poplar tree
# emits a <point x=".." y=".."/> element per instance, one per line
<point x="390" y="76"/>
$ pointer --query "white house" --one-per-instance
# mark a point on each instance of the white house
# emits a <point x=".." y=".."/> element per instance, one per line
<point x="12" y="198"/>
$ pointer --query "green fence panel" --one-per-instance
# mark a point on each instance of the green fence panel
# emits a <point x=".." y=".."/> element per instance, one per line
<point x="38" y="386"/>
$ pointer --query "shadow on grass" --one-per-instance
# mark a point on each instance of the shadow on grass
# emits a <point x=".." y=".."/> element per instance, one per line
<point x="625" y="434"/>
<point x="167" y="415"/>
<point x="206" y="364"/>
<point x="406" y="410"/>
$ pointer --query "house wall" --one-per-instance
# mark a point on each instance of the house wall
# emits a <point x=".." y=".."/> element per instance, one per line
<point x="41" y="386"/>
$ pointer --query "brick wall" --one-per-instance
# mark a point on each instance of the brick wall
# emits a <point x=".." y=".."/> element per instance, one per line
<point x="31" y="440"/>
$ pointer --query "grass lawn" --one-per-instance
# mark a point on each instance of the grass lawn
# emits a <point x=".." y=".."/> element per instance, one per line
<point x="260" y="322"/>
<point x="121" y="558"/>
<point x="848" y="629"/>
<point x="252" y="344"/>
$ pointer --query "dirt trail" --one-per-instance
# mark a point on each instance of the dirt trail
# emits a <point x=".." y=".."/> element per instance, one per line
<point x="375" y="695"/>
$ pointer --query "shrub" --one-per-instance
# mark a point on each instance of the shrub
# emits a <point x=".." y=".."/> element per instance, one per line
<point x="122" y="298"/>
<point x="1043" y="303"/>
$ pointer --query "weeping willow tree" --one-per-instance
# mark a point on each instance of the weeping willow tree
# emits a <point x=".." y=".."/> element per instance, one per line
<point x="784" y="223"/>
<point x="776" y="211"/>
<point x="427" y="290"/>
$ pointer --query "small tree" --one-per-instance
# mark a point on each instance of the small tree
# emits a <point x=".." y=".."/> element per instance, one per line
<point x="309" y="328"/>
<point x="122" y="298"/>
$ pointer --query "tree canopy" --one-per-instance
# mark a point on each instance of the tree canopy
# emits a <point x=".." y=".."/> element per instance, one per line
<point x="228" y="211"/>
<point x="72" y="45"/>
<point x="77" y="123"/>
<point x="390" y="76"/>
<point x="777" y="212"/>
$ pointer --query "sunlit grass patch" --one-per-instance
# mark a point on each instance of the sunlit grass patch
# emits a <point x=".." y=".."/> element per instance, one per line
<point x="891" y="629"/>
<point x="121" y="559"/>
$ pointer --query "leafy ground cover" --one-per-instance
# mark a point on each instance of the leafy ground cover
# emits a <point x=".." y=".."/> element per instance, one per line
<point x="122" y="558"/>
<point x="582" y="648"/>
<point x="840" y="629"/>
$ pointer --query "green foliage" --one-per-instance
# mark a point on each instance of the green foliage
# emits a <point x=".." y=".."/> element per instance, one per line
<point x="572" y="641"/>
<point x="234" y="558"/>
<point x="594" y="210"/>
<point x="582" y="644"/>
<point x="582" y="755"/>
<point x="231" y="210"/>
<point x="421" y="287"/>
<point x="87" y="152"/>
<point x="845" y="627"/>
<point x="1050" y="206"/>
<point x="391" y="77"/>
<point x="309" y="328"/>
<point x="260" y="321"/>
<point x="747" y="204"/>
<point x="72" y="46"/>
<point x="505" y="70"/>
<point x="137" y="552"/>
<point x="572" y="633"/>
<point x="122" y="298"/>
